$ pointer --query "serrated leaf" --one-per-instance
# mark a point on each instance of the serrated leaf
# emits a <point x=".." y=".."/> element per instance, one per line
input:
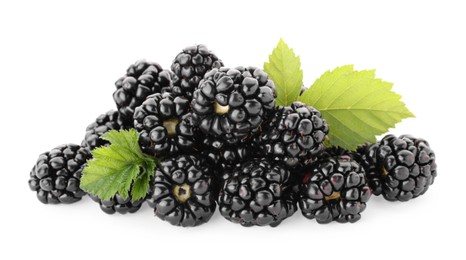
<point x="284" y="68"/>
<point x="118" y="168"/>
<point x="141" y="186"/>
<point x="356" y="105"/>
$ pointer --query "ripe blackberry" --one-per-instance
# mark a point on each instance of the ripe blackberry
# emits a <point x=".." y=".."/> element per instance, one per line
<point x="334" y="189"/>
<point x="104" y="123"/>
<point x="225" y="157"/>
<point x="190" y="66"/>
<point x="165" y="125"/>
<point x="231" y="104"/>
<point x="257" y="193"/>
<point x="294" y="135"/>
<point x="141" y="80"/>
<point x="366" y="155"/>
<point x="118" y="204"/>
<point x="399" y="168"/>
<point x="57" y="174"/>
<point x="183" y="191"/>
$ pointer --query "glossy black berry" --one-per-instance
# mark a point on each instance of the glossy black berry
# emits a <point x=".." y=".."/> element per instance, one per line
<point x="224" y="157"/>
<point x="399" y="168"/>
<point x="183" y="191"/>
<point x="257" y="193"/>
<point x="117" y="204"/>
<point x="294" y="135"/>
<point x="231" y="104"/>
<point x="102" y="124"/>
<point x="190" y="66"/>
<point x="334" y="188"/>
<point x="165" y="125"/>
<point x="141" y="80"/>
<point x="57" y="174"/>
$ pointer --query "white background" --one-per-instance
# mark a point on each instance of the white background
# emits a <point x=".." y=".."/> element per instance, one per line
<point x="58" y="63"/>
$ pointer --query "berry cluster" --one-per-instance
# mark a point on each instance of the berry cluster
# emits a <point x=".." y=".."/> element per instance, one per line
<point x="219" y="140"/>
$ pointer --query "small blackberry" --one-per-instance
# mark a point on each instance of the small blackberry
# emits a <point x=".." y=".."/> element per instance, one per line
<point x="141" y="80"/>
<point x="399" y="168"/>
<point x="165" y="125"/>
<point x="57" y="174"/>
<point x="257" y="193"/>
<point x="118" y="204"/>
<point x="190" y="66"/>
<point x="334" y="189"/>
<point x="231" y="104"/>
<point x="294" y="135"/>
<point x="366" y="155"/>
<point x="183" y="191"/>
<point x="104" y="123"/>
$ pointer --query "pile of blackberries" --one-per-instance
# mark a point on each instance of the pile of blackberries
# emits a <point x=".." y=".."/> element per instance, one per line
<point x="221" y="141"/>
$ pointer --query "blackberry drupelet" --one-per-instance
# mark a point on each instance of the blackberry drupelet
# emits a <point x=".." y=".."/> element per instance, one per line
<point x="165" y="125"/>
<point x="334" y="189"/>
<point x="118" y="204"/>
<point x="295" y="135"/>
<point x="257" y="193"/>
<point x="190" y="66"/>
<point x="104" y="123"/>
<point x="399" y="168"/>
<point x="57" y="174"/>
<point x="231" y="104"/>
<point x="183" y="191"/>
<point x="141" y="80"/>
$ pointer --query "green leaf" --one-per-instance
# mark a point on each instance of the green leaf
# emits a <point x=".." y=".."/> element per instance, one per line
<point x="120" y="167"/>
<point x="141" y="186"/>
<point x="284" y="68"/>
<point x="356" y="105"/>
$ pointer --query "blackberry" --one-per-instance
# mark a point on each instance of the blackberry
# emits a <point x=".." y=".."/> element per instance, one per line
<point x="294" y="135"/>
<point x="57" y="174"/>
<point x="231" y="104"/>
<point x="141" y="80"/>
<point x="165" y="125"/>
<point x="366" y="155"/>
<point x="257" y="193"/>
<point x="190" y="66"/>
<point x="225" y="157"/>
<point x="334" y="189"/>
<point x="118" y="204"/>
<point x="182" y="191"/>
<point x="104" y="123"/>
<point x="399" y="168"/>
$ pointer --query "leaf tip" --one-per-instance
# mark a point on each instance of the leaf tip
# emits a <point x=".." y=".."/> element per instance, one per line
<point x="281" y="41"/>
<point x="410" y="114"/>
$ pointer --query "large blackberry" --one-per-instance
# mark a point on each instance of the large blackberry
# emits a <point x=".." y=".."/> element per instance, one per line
<point x="399" y="168"/>
<point x="165" y="125"/>
<point x="104" y="123"/>
<point x="57" y="174"/>
<point x="141" y="80"/>
<point x="257" y="193"/>
<point x="118" y="204"/>
<point x="183" y="191"/>
<point x="334" y="189"/>
<point x="190" y="66"/>
<point x="294" y="135"/>
<point x="231" y="104"/>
